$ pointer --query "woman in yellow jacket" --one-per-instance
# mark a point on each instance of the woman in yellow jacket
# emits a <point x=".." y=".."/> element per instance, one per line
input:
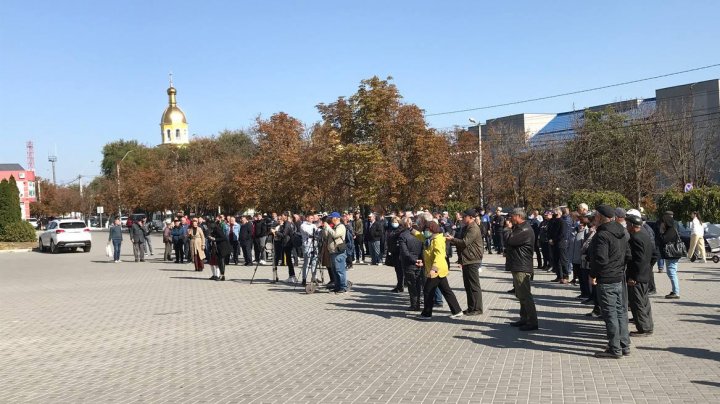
<point x="436" y="272"/>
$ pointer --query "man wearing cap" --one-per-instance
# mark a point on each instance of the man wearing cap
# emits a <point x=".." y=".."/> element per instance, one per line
<point x="607" y="255"/>
<point x="470" y="250"/>
<point x="638" y="275"/>
<point x="647" y="229"/>
<point x="519" y="242"/>
<point x="498" y="225"/>
<point x="337" y="249"/>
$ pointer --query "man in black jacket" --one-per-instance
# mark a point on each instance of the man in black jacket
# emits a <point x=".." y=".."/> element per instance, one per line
<point x="498" y="225"/>
<point x="519" y="246"/>
<point x="375" y="231"/>
<point x="639" y="270"/>
<point x="557" y="238"/>
<point x="260" y="232"/>
<point x="411" y="251"/>
<point x="246" y="239"/>
<point x="607" y="255"/>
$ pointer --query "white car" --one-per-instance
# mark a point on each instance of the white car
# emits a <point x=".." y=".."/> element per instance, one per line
<point x="33" y="222"/>
<point x="65" y="233"/>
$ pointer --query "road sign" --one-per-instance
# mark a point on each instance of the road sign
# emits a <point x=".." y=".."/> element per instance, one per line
<point x="688" y="187"/>
<point x="100" y="209"/>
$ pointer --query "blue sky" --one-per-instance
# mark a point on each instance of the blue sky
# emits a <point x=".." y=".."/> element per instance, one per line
<point x="78" y="74"/>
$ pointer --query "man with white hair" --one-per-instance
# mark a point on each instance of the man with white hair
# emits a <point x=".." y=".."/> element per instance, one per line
<point x="376" y="232"/>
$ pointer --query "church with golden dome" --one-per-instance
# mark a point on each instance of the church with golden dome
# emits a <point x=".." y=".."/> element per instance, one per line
<point x="173" y="125"/>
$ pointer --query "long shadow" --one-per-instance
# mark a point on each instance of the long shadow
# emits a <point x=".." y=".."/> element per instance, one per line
<point x="176" y="270"/>
<point x="706" y="383"/>
<point x="190" y="278"/>
<point x="698" y="353"/>
<point x="103" y="262"/>
<point x="660" y="300"/>
<point x="574" y="338"/>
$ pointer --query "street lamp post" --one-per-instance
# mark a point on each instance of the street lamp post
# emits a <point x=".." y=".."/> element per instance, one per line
<point x="480" y="157"/>
<point x="117" y="177"/>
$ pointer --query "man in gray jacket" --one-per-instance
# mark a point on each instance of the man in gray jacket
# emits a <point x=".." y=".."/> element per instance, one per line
<point x="470" y="250"/>
<point x="137" y="235"/>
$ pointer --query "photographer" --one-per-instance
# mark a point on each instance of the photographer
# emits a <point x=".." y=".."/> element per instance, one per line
<point x="310" y="235"/>
<point x="283" y="240"/>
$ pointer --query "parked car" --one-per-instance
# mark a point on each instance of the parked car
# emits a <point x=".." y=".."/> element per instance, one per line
<point x="33" y="222"/>
<point x="135" y="217"/>
<point x="65" y="233"/>
<point x="712" y="240"/>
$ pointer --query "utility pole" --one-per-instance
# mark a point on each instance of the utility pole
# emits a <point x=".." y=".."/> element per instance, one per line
<point x="53" y="159"/>
<point x="479" y="160"/>
<point x="117" y="177"/>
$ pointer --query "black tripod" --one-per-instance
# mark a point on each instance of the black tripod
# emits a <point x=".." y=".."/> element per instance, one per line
<point x="265" y="254"/>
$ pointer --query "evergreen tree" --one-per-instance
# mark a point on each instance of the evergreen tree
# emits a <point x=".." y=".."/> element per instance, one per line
<point x="14" y="198"/>
<point x="4" y="203"/>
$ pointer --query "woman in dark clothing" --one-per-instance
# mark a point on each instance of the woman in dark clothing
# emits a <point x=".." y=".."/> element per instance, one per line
<point x="219" y="250"/>
<point x="392" y="258"/>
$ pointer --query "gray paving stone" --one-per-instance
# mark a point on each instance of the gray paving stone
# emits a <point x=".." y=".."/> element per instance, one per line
<point x="77" y="329"/>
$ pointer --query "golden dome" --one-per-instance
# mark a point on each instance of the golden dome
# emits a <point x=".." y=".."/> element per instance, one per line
<point x="173" y="114"/>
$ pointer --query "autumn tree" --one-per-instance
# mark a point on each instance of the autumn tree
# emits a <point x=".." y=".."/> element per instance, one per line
<point x="386" y="152"/>
<point x="278" y="184"/>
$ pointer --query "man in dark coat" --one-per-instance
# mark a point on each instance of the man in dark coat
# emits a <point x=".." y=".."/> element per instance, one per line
<point x="470" y="250"/>
<point x="498" y="225"/>
<point x="519" y="246"/>
<point x="639" y="270"/>
<point x="220" y="249"/>
<point x="607" y="255"/>
<point x="246" y="239"/>
<point x="557" y="238"/>
<point x="410" y="251"/>
<point x="260" y="232"/>
<point x="137" y="235"/>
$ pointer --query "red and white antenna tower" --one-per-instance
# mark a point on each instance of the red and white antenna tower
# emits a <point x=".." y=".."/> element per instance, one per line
<point x="30" y="156"/>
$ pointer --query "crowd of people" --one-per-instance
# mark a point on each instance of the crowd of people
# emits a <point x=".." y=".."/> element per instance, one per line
<point x="609" y="253"/>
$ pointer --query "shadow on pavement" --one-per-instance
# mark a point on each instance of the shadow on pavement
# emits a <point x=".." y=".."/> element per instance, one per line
<point x="698" y="353"/>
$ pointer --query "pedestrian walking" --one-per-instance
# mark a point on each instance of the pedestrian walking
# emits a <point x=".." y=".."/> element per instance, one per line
<point x="197" y="245"/>
<point x="436" y="271"/>
<point x="115" y="237"/>
<point x="470" y="250"/>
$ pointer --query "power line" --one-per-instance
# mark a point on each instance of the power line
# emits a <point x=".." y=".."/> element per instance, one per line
<point x="574" y="92"/>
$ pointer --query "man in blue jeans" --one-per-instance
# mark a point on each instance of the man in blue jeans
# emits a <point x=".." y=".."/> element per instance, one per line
<point x="376" y="230"/>
<point x="116" y="237"/>
<point x="608" y="252"/>
<point x="338" y="250"/>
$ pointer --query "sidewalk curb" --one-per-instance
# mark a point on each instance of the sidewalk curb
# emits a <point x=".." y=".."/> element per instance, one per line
<point x="17" y="250"/>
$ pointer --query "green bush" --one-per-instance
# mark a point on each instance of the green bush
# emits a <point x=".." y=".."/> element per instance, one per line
<point x="18" y="232"/>
<point x="456" y="206"/>
<point x="594" y="198"/>
<point x="705" y="201"/>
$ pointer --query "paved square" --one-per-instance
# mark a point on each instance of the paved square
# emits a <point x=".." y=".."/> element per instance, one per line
<point x="78" y="329"/>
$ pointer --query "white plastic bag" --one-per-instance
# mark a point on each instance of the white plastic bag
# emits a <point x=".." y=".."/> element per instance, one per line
<point x="109" y="251"/>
